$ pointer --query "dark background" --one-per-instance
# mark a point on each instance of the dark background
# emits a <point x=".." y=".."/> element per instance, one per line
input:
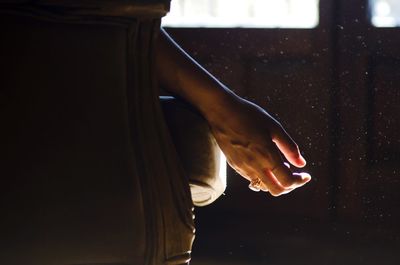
<point x="336" y="89"/>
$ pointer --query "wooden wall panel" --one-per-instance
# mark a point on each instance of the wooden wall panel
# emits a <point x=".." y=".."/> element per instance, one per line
<point x="384" y="127"/>
<point x="380" y="198"/>
<point x="286" y="72"/>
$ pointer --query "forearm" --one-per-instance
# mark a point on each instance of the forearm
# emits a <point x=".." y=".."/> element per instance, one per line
<point x="184" y="77"/>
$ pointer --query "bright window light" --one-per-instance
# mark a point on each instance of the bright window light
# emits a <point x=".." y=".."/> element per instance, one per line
<point x="243" y="13"/>
<point x="385" y="13"/>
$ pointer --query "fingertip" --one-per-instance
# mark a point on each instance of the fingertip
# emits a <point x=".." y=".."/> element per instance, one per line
<point x="303" y="161"/>
<point x="300" y="161"/>
<point x="304" y="176"/>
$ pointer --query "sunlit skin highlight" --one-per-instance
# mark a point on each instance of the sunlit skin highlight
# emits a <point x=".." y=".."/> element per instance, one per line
<point x="251" y="139"/>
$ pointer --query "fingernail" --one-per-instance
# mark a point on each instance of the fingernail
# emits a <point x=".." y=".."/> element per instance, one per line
<point x="304" y="176"/>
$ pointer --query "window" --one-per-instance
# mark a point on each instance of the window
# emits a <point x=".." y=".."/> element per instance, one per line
<point x="243" y="13"/>
<point x="385" y="13"/>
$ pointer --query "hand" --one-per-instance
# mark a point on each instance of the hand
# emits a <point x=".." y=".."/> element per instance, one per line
<point x="252" y="141"/>
<point x="250" y="138"/>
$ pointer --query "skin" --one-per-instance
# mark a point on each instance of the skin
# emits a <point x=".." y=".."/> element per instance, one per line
<point x="251" y="139"/>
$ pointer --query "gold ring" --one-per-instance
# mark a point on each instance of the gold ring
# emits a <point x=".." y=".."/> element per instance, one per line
<point x="255" y="185"/>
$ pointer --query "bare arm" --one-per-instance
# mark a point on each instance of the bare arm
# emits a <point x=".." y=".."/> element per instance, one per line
<point x="249" y="137"/>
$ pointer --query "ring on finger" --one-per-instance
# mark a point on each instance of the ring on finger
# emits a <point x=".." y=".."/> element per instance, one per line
<point x="255" y="185"/>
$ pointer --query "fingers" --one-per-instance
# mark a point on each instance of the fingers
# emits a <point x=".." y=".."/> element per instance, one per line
<point x="276" y="176"/>
<point x="288" y="147"/>
<point x="272" y="181"/>
<point x="288" y="179"/>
